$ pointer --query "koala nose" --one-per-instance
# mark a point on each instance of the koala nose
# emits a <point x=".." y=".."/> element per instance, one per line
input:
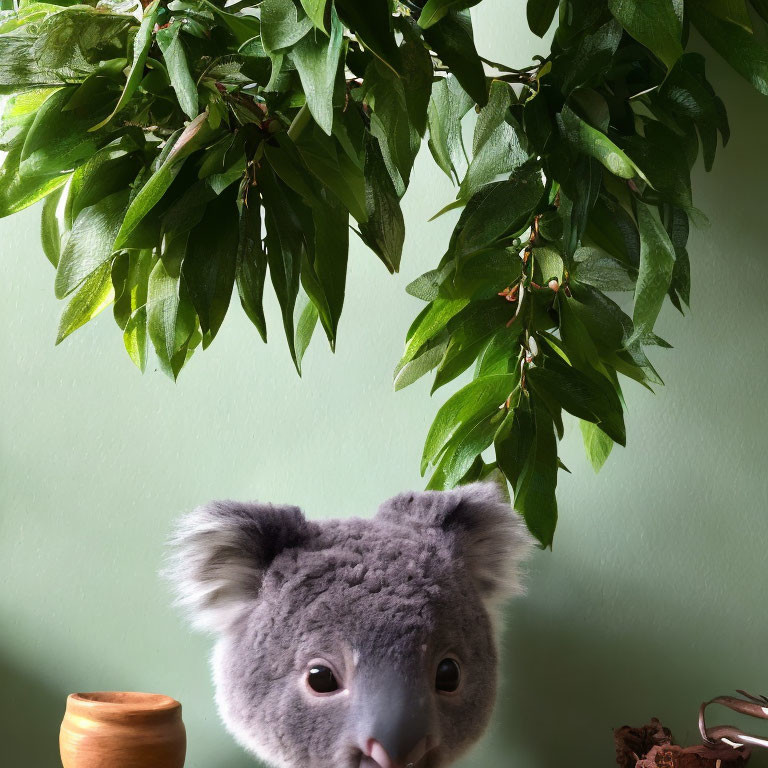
<point x="393" y="718"/>
<point x="381" y="757"/>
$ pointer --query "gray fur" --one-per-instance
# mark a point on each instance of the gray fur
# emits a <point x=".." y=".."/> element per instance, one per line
<point x="382" y="601"/>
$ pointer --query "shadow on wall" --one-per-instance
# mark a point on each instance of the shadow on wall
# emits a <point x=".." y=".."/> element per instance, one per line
<point x="30" y="716"/>
<point x="584" y="679"/>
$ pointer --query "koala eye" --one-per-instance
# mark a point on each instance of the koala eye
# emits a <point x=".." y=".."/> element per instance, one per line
<point x="321" y="679"/>
<point x="448" y="676"/>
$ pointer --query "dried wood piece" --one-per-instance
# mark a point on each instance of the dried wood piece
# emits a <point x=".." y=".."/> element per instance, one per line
<point x="652" y="747"/>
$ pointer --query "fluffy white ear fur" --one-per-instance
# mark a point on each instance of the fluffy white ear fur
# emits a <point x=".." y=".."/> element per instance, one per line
<point x="495" y="540"/>
<point x="219" y="553"/>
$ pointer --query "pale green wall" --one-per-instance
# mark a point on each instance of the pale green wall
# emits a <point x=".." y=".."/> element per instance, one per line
<point x="653" y="599"/>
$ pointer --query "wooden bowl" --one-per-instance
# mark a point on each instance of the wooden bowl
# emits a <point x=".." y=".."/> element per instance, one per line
<point x="129" y="730"/>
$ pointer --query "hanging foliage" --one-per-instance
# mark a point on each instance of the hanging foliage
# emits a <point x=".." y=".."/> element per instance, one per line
<point x="189" y="149"/>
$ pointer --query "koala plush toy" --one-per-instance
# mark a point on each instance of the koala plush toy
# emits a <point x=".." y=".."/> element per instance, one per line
<point x="354" y="643"/>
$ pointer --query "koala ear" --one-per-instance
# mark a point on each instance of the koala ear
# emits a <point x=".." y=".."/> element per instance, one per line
<point x="490" y="536"/>
<point x="219" y="554"/>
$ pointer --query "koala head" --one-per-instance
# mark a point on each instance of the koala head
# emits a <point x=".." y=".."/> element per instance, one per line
<point x="353" y="643"/>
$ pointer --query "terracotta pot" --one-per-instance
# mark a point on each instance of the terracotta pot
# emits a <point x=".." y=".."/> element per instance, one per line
<point x="129" y="730"/>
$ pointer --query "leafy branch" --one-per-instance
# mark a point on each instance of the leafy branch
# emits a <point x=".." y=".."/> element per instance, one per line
<point x="188" y="149"/>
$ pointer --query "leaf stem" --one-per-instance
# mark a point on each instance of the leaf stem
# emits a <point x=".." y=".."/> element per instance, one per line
<point x="299" y="123"/>
<point x="505" y="68"/>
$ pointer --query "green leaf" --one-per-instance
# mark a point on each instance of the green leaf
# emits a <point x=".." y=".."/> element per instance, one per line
<point x="417" y="73"/>
<point x="18" y="67"/>
<point x="90" y="244"/>
<point x="761" y="6"/>
<point x="687" y="95"/>
<point x="678" y="228"/>
<point x="499" y="209"/>
<point x="592" y="142"/>
<point x="661" y="155"/>
<point x="94" y="295"/>
<point x="316" y="10"/>
<point x="17" y="16"/>
<point x="493" y="115"/>
<point x="434" y="10"/>
<point x="592" y="107"/>
<point x="330" y="164"/>
<point x="371" y="22"/>
<point x="589" y="58"/>
<point x="602" y="319"/>
<point x="285" y="242"/>
<point x="210" y="264"/>
<point x="540" y="15"/>
<point x="470" y="406"/>
<point x="427" y="286"/>
<point x="603" y="270"/>
<point x="384" y="231"/>
<point x="583" y="329"/>
<point x="130" y="278"/>
<point x="17" y="192"/>
<point x="559" y="385"/>
<point x="741" y="49"/>
<point x="188" y="210"/>
<point x="729" y="10"/>
<point x="597" y="444"/>
<point x="135" y="338"/>
<point x="498" y="144"/>
<point x="113" y="168"/>
<point x="105" y="85"/>
<point x="535" y="495"/>
<point x="169" y="41"/>
<point x="282" y="24"/>
<point x="193" y="137"/>
<point x="65" y="47"/>
<point x="653" y="23"/>
<point x="409" y="372"/>
<point x="526" y="452"/>
<point x="306" y="315"/>
<point x="317" y="61"/>
<point x="448" y="105"/>
<point x="390" y="122"/>
<point x="170" y="317"/>
<point x="657" y="261"/>
<point x="141" y="44"/>
<point x="55" y="145"/>
<point x="291" y="166"/>
<point x="326" y="276"/>
<point x="464" y="451"/>
<point x="578" y="194"/>
<point x="431" y="323"/>
<point x="125" y="274"/>
<point x="457" y="359"/>
<point x="613" y="229"/>
<point x="220" y="157"/>
<point x="547" y="264"/>
<point x="243" y="27"/>
<point x="50" y="230"/>
<point x="501" y="354"/>
<point x="514" y="439"/>
<point x="452" y="40"/>
<point x="252" y="264"/>
<point x="482" y="274"/>
<point x="18" y="114"/>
